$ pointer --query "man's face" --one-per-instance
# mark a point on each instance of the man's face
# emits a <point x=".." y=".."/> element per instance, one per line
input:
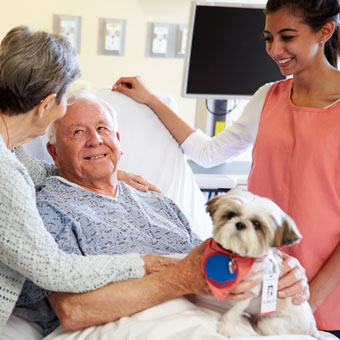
<point x="87" y="149"/>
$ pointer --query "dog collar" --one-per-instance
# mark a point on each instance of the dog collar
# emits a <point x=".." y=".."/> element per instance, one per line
<point x="223" y="269"/>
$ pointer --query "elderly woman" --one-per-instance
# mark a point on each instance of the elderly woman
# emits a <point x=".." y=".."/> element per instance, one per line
<point x="36" y="71"/>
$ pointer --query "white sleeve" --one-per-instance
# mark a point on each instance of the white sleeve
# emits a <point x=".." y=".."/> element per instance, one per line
<point x="38" y="170"/>
<point x="210" y="151"/>
<point x="28" y="250"/>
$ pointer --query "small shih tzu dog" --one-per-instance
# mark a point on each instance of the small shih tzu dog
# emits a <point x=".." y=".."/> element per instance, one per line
<point x="246" y="230"/>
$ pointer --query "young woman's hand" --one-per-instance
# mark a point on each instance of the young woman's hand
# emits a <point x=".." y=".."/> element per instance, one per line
<point x="134" y="88"/>
<point x="293" y="281"/>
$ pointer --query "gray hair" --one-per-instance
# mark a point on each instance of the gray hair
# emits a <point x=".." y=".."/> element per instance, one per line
<point x="88" y="95"/>
<point x="32" y="66"/>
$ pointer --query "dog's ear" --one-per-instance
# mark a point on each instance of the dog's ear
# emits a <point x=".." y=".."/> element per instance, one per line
<point x="287" y="233"/>
<point x="212" y="205"/>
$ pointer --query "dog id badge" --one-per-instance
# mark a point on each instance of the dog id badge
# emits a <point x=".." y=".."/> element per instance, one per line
<point x="269" y="293"/>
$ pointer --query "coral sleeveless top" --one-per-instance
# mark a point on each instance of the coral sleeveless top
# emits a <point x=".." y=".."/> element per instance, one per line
<point x="296" y="163"/>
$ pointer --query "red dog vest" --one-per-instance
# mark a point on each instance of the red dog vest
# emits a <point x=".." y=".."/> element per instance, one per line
<point x="223" y="269"/>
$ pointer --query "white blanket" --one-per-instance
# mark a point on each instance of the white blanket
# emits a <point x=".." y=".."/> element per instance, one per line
<point x="178" y="319"/>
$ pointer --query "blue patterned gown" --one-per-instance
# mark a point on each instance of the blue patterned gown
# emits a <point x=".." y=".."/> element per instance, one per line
<point x="83" y="222"/>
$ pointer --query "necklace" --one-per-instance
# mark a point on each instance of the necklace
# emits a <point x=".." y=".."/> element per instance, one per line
<point x="3" y="119"/>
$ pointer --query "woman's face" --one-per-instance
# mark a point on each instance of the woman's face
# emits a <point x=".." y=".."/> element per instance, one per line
<point x="60" y="109"/>
<point x="55" y="111"/>
<point x="291" y="43"/>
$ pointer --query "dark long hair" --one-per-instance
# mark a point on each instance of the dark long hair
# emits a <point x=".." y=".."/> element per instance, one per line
<point x="315" y="13"/>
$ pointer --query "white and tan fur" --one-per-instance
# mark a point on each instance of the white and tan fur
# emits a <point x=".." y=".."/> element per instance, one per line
<point x="252" y="226"/>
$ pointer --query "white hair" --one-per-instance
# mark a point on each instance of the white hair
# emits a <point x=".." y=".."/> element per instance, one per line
<point x="84" y="94"/>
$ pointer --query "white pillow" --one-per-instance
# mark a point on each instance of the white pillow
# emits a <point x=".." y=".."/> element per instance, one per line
<point x="151" y="151"/>
<point x="37" y="148"/>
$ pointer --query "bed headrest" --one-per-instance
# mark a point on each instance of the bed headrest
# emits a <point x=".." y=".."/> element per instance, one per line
<point x="151" y="151"/>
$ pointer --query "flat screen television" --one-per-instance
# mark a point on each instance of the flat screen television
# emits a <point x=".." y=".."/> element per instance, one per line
<point x="226" y="55"/>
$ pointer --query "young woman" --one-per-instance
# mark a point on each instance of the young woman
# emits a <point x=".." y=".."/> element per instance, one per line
<point x="294" y="128"/>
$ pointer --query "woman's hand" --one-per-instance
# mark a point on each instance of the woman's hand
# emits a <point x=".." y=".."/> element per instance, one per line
<point x="136" y="181"/>
<point x="134" y="88"/>
<point x="242" y="290"/>
<point x="293" y="281"/>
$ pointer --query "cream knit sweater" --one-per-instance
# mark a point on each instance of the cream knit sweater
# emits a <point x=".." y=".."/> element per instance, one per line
<point x="28" y="250"/>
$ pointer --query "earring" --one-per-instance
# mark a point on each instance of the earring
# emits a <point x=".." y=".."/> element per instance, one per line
<point x="321" y="42"/>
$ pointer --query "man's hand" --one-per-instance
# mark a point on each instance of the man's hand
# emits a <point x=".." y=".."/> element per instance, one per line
<point x="155" y="263"/>
<point x="119" y="299"/>
<point x="189" y="273"/>
<point x="136" y="181"/>
<point x="293" y="281"/>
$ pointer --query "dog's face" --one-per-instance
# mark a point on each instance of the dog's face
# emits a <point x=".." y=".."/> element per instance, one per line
<point x="250" y="225"/>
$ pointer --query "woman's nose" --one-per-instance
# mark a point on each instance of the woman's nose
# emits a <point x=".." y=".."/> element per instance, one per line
<point x="274" y="49"/>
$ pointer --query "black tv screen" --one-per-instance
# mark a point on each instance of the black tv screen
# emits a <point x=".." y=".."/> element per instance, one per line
<point x="226" y="56"/>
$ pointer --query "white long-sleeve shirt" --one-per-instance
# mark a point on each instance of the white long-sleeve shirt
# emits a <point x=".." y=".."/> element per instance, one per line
<point x="210" y="151"/>
<point x="28" y="250"/>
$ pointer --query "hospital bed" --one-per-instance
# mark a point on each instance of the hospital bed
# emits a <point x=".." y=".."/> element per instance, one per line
<point x="151" y="151"/>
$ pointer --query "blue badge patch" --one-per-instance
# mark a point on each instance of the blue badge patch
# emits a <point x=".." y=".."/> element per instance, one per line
<point x="220" y="270"/>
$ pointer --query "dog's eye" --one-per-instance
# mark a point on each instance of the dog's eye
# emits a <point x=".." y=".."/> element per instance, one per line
<point x="230" y="215"/>
<point x="256" y="224"/>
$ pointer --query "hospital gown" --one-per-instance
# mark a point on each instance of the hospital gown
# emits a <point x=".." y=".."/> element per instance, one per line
<point x="86" y="223"/>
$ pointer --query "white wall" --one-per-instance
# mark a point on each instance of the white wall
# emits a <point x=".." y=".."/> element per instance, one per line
<point x="161" y="75"/>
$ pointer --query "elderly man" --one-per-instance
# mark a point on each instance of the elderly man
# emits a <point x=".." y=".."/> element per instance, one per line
<point x="88" y="211"/>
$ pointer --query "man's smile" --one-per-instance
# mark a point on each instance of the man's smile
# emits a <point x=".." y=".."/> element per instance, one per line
<point x="95" y="157"/>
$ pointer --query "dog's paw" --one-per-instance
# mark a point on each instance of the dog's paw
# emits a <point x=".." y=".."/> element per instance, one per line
<point x="224" y="329"/>
<point x="236" y="330"/>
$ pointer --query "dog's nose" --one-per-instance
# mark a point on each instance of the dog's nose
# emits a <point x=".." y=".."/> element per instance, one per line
<point x="240" y="226"/>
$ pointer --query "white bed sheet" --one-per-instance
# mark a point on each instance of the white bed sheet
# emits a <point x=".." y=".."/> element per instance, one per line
<point x="20" y="329"/>
<point x="178" y="319"/>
